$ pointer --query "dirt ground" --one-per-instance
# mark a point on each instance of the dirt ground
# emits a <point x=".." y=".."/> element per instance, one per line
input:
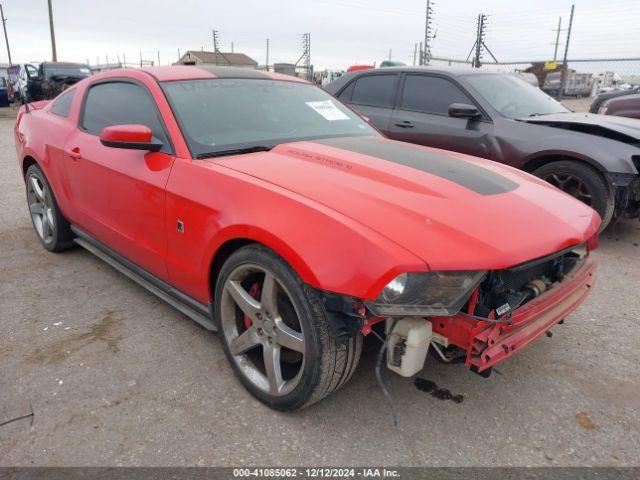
<point x="578" y="104"/>
<point x="113" y="376"/>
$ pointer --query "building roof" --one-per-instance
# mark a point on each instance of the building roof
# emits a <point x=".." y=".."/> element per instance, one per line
<point x="218" y="58"/>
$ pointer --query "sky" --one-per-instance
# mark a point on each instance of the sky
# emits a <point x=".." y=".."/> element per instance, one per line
<point x="343" y="32"/>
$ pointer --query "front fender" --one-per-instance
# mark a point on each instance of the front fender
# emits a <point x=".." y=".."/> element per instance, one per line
<point x="259" y="235"/>
<point x="328" y="250"/>
<point x="604" y="154"/>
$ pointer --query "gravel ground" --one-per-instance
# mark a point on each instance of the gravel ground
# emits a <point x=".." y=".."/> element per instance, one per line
<point x="116" y="377"/>
<point x="577" y="104"/>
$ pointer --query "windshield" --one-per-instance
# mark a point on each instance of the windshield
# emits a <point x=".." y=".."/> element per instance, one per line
<point x="225" y="114"/>
<point x="513" y="97"/>
<point x="70" y="71"/>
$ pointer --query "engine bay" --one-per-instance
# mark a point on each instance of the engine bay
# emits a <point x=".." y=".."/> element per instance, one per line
<point x="503" y="291"/>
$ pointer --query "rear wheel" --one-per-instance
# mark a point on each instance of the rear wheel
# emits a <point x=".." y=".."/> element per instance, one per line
<point x="275" y="333"/>
<point x="582" y="182"/>
<point x="52" y="228"/>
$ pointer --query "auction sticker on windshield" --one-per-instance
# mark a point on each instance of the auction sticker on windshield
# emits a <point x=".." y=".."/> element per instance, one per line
<point x="328" y="110"/>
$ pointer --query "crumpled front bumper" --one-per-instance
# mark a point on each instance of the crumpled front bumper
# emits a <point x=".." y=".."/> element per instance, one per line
<point x="626" y="188"/>
<point x="490" y="343"/>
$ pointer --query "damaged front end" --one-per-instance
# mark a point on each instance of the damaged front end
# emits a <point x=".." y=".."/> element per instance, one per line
<point x="506" y="310"/>
<point x="626" y="189"/>
<point x="51" y="87"/>
<point x="513" y="307"/>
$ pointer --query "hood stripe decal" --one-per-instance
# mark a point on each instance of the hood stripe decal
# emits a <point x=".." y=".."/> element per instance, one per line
<point x="469" y="175"/>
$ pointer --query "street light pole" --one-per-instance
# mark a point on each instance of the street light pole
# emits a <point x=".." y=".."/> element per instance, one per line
<point x="54" y="55"/>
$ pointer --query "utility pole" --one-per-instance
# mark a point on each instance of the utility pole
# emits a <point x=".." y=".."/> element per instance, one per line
<point x="390" y="54"/>
<point x="563" y="80"/>
<point x="415" y="52"/>
<point x="480" y="34"/>
<point x="216" y="50"/>
<point x="267" y="54"/>
<point x="6" y="38"/>
<point x="427" y="34"/>
<point x="231" y="47"/>
<point x="555" y="51"/>
<point x="307" y="47"/>
<point x="54" y="55"/>
<point x="479" y="45"/>
<point x="214" y="33"/>
<point x="306" y="54"/>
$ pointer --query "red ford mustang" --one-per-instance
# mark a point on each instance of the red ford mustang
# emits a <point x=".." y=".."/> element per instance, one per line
<point x="265" y="209"/>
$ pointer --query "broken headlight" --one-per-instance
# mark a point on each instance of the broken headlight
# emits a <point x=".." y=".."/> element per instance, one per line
<point x="426" y="293"/>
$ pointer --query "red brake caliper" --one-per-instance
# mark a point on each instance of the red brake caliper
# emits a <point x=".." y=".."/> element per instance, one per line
<point x="254" y="291"/>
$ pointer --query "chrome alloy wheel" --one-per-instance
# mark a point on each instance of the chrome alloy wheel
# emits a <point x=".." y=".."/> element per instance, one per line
<point x="40" y="207"/>
<point x="261" y="326"/>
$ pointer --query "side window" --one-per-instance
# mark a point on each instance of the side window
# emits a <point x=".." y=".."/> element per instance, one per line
<point x="62" y="105"/>
<point x="374" y="90"/>
<point x="121" y="103"/>
<point x="431" y="94"/>
<point x="345" y="96"/>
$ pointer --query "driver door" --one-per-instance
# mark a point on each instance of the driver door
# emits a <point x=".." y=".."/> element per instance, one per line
<point x="118" y="194"/>
<point x="421" y="116"/>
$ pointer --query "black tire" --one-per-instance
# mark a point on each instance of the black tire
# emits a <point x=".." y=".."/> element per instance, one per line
<point x="325" y="367"/>
<point x="600" y="200"/>
<point x="60" y="235"/>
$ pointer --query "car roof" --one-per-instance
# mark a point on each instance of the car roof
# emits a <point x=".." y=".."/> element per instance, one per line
<point x="191" y="72"/>
<point x="451" y="71"/>
<point x="65" y="64"/>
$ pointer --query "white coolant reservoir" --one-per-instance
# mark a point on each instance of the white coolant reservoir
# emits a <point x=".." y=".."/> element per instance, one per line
<point x="408" y="345"/>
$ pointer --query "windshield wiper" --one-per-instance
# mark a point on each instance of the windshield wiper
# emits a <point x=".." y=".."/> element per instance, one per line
<point x="234" y="151"/>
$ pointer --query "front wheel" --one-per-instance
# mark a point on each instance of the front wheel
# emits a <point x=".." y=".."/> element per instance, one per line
<point x="275" y="333"/>
<point x="582" y="182"/>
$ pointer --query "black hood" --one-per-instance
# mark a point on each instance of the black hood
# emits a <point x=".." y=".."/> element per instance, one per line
<point x="622" y="129"/>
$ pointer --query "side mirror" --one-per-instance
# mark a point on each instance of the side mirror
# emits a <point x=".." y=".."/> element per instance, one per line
<point x="134" y="137"/>
<point x="463" y="110"/>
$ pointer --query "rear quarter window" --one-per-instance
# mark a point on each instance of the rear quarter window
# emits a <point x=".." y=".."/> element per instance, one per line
<point x="62" y="105"/>
<point x="345" y="95"/>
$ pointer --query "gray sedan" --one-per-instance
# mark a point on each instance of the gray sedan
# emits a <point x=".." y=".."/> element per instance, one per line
<point x="499" y="116"/>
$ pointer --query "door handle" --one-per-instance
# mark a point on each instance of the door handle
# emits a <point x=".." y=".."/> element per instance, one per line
<point x="74" y="153"/>
<point x="405" y="124"/>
